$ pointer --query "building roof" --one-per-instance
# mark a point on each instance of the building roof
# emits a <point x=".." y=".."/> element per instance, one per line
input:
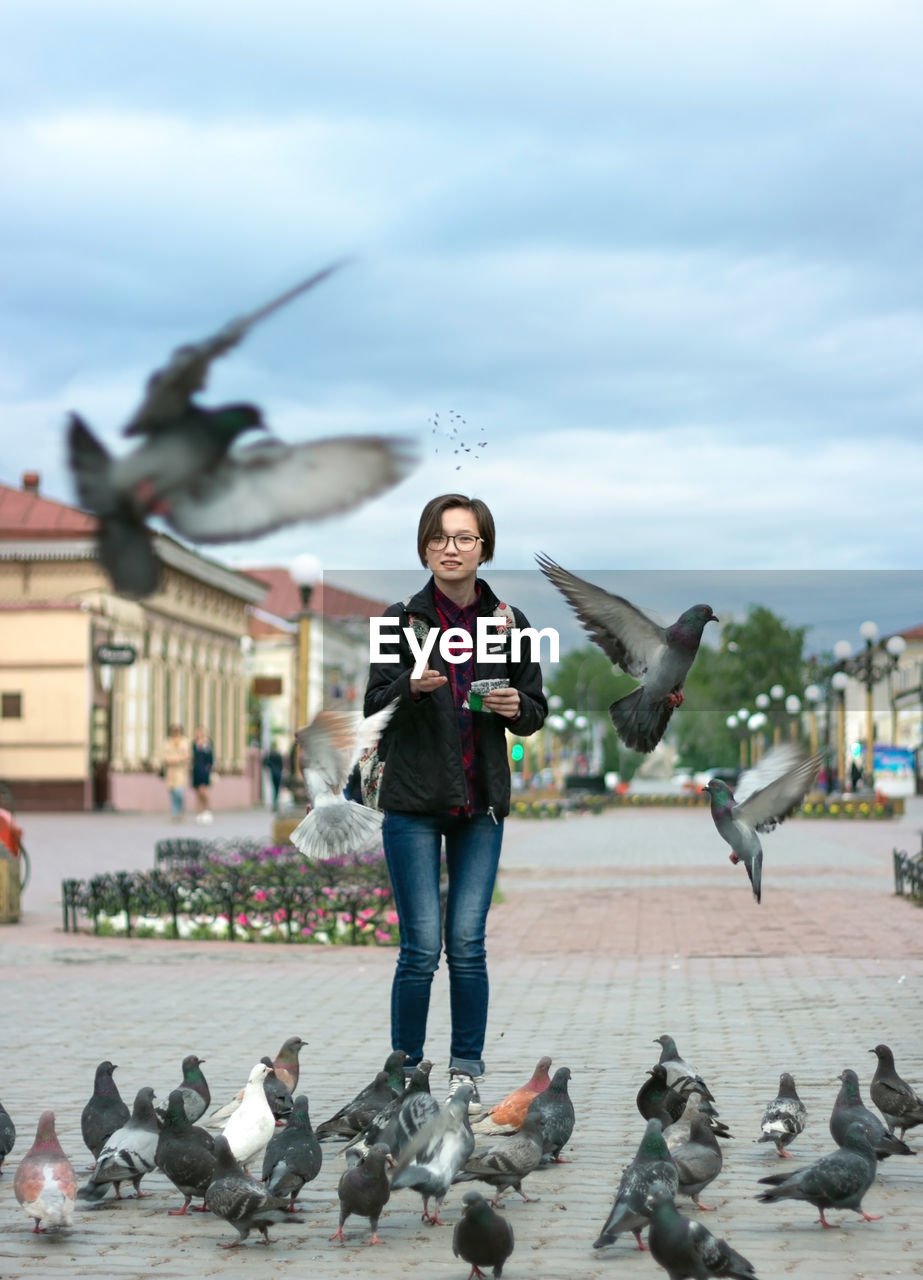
<point x="284" y="598"/>
<point x="25" y="514"/>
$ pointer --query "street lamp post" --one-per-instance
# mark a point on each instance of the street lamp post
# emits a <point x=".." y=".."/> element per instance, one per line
<point x="737" y="723"/>
<point x="839" y="680"/>
<point x="793" y="707"/>
<point x="870" y="666"/>
<point x="813" y="694"/>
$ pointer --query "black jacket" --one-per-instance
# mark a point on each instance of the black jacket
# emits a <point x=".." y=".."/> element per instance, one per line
<point x="422" y="745"/>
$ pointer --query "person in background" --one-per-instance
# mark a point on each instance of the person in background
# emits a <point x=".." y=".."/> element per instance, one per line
<point x="203" y="761"/>
<point x="176" y="757"/>
<point x="274" y="765"/>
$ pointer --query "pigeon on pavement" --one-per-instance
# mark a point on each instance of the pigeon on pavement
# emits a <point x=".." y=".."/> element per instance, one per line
<point x="680" y="1074"/>
<point x="658" y="1099"/>
<point x="194" y="1089"/>
<point x="685" y="1249"/>
<point x="44" y="1182"/>
<point x="784" y="1117"/>
<point x="508" y="1114"/>
<point x="240" y="1200"/>
<point x="277" y="1094"/>
<point x="7" y="1134"/>
<point x="331" y="746"/>
<point x="482" y="1237"/>
<point x="128" y="1154"/>
<point x="764" y="798"/>
<point x="849" y="1107"/>
<point x="185" y="1152"/>
<point x="898" y="1102"/>
<point x="835" y="1181"/>
<point x="660" y="657"/>
<point x="105" y="1112"/>
<point x="352" y="1118"/>
<point x="652" y="1165"/>
<point x="555" y="1111"/>
<point x="697" y="1107"/>
<point x="285" y="1063"/>
<point x="509" y="1160"/>
<point x="251" y="1126"/>
<point x="400" y="1118"/>
<point x="294" y="1155"/>
<point x="185" y="471"/>
<point x="698" y="1161"/>
<point x="438" y="1151"/>
<point x="364" y="1190"/>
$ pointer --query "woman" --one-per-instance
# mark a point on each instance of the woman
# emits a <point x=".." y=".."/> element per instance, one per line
<point x="176" y="756"/>
<point x="447" y="775"/>
<point x="203" y="760"/>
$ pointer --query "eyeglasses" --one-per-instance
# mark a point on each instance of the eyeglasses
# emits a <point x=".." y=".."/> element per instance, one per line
<point x="461" y="541"/>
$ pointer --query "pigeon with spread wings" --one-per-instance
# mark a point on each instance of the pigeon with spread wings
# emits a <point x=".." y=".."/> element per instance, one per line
<point x="660" y="657"/>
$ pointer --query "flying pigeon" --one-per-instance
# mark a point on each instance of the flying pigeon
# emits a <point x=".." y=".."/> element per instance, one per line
<point x="698" y="1160"/>
<point x="849" y="1107"/>
<point x="651" y="1166"/>
<point x="482" y="1237"/>
<point x="437" y="1153"/>
<point x="555" y="1111"/>
<point x="764" y="798"/>
<point x="898" y="1102"/>
<point x="44" y="1182"/>
<point x="835" y="1181"/>
<point x="660" y="657"/>
<point x="185" y="1152"/>
<point x="509" y="1160"/>
<point x="240" y="1200"/>
<point x="332" y="744"/>
<point x="784" y="1117"/>
<point x="128" y="1154"/>
<point x="364" y="1190"/>
<point x="658" y="1099"/>
<point x="250" y="1127"/>
<point x="294" y="1155"/>
<point x="7" y="1134"/>
<point x="365" y="1106"/>
<point x="680" y="1075"/>
<point x="507" y="1115"/>
<point x="194" y="1089"/>
<point x="685" y="1249"/>
<point x="399" y="1119"/>
<point x="185" y="470"/>
<point x="105" y="1112"/>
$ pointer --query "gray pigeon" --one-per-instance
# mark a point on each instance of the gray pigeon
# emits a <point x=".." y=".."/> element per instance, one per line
<point x="399" y="1122"/>
<point x="364" y="1190"/>
<point x="293" y="1156"/>
<point x="482" y="1237"/>
<point x="240" y="1200"/>
<point x="849" y="1107"/>
<point x="352" y="1118"/>
<point x="660" y="657"/>
<point x="651" y="1166"/>
<point x="898" y="1102"/>
<point x="7" y="1134"/>
<point x="277" y="1094"/>
<point x="509" y="1160"/>
<point x="555" y="1111"/>
<point x="697" y="1107"/>
<point x="331" y="746"/>
<point x="698" y="1160"/>
<point x="685" y="1249"/>
<point x="437" y="1153"/>
<point x="105" y="1112"/>
<point x="784" y="1117"/>
<point x="184" y="469"/>
<point x="194" y="1089"/>
<point x="658" y="1099"/>
<point x="185" y="1152"/>
<point x="681" y="1075"/>
<point x="128" y="1154"/>
<point x="764" y="798"/>
<point x="835" y="1181"/>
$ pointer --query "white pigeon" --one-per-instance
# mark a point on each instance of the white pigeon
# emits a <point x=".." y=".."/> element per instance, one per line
<point x="332" y="744"/>
<point x="252" y="1124"/>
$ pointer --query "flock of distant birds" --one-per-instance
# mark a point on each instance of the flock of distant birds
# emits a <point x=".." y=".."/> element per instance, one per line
<point x="397" y="1135"/>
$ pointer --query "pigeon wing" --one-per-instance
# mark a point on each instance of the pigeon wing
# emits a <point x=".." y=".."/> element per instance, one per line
<point x="776" y="800"/>
<point x="269" y="484"/>
<point x="170" y="389"/>
<point x="628" y="637"/>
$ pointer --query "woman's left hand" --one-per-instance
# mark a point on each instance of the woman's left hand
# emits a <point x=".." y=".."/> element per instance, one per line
<point x="504" y="701"/>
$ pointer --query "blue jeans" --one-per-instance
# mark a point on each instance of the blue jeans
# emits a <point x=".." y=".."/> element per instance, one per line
<point x="177" y="801"/>
<point x="413" y="848"/>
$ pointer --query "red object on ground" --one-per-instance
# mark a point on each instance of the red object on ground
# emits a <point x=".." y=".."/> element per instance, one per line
<point x="10" y="832"/>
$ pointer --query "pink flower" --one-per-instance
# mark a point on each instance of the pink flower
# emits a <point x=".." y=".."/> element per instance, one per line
<point x="242" y="919"/>
<point x="367" y="913"/>
<point x="382" y="936"/>
<point x="391" y="917"/>
<point x="260" y="895"/>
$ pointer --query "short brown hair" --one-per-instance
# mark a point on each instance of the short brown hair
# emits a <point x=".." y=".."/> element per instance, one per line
<point x="431" y="522"/>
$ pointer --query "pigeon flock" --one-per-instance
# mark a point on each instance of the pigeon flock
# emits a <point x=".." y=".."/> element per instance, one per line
<point x="395" y="1135"/>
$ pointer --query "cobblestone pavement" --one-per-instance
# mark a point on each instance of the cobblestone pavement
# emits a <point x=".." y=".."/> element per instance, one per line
<point x="611" y="930"/>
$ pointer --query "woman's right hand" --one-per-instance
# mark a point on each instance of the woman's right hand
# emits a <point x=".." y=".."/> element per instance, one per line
<point x="429" y="681"/>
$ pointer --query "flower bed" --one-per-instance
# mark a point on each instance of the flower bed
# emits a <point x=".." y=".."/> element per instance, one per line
<point x="241" y="892"/>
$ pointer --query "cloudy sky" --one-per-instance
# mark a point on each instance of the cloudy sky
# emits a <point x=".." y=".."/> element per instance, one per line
<point x="663" y="258"/>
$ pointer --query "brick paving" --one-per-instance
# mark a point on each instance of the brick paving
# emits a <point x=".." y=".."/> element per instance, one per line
<point x="611" y="930"/>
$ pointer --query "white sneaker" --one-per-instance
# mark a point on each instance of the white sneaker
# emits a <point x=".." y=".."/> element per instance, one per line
<point x="457" y="1078"/>
<point x="207" y="816"/>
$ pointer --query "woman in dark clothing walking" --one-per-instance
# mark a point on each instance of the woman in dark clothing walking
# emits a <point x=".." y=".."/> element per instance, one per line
<point x="203" y="761"/>
<point x="447" y="776"/>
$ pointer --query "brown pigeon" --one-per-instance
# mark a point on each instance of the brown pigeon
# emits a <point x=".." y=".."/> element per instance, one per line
<point x="44" y="1183"/>
<point x="509" y="1114"/>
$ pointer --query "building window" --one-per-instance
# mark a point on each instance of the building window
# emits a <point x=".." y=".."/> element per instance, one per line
<point x="10" y="706"/>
